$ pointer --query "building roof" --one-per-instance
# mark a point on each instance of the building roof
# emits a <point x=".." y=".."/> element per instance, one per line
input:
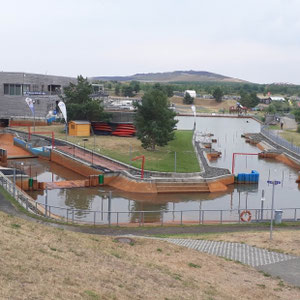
<point x="277" y="98"/>
<point x="81" y="122"/>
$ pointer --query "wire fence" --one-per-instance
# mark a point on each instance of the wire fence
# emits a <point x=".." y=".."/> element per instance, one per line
<point x="280" y="141"/>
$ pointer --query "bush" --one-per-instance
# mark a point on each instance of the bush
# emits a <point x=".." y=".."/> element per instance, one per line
<point x="298" y="129"/>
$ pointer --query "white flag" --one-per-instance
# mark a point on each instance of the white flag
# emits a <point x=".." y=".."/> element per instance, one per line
<point x="194" y="110"/>
<point x="62" y="107"/>
<point x="29" y="102"/>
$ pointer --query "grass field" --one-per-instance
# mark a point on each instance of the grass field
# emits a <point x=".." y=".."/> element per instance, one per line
<point x="291" y="136"/>
<point x="40" y="262"/>
<point x="123" y="149"/>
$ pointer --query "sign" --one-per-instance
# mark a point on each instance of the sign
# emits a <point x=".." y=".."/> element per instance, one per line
<point x="273" y="182"/>
<point x="34" y="93"/>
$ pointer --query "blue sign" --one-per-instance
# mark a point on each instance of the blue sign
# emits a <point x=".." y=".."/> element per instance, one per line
<point x="273" y="182"/>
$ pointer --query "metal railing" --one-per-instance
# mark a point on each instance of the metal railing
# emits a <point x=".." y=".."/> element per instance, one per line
<point x="280" y="141"/>
<point x="163" y="217"/>
<point x="18" y="194"/>
<point x="140" y="218"/>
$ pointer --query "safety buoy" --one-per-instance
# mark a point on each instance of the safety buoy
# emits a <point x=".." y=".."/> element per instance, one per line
<point x="246" y="216"/>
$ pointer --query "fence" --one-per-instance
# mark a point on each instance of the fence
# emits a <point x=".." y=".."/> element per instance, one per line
<point x="163" y="217"/>
<point x="280" y="141"/>
<point x="23" y="199"/>
<point x="140" y="218"/>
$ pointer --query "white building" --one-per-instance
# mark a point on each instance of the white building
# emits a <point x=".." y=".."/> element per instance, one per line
<point x="192" y="93"/>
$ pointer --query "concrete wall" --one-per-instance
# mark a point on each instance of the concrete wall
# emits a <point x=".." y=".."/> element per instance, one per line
<point x="15" y="106"/>
<point x="72" y="164"/>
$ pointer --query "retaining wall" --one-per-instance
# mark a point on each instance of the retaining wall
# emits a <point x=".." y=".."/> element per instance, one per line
<point x="73" y="164"/>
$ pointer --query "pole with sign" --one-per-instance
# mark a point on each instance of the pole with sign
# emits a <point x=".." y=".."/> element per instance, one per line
<point x="273" y="182"/>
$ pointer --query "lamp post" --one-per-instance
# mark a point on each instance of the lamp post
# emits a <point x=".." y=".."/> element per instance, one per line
<point x="273" y="182"/>
<point x="84" y="140"/>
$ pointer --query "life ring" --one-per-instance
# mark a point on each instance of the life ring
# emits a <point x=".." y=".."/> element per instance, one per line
<point x="246" y="216"/>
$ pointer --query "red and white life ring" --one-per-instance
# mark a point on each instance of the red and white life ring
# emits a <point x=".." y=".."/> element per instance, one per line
<point x="246" y="216"/>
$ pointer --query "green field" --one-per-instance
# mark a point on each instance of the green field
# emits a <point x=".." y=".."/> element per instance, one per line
<point x="125" y="148"/>
<point x="163" y="158"/>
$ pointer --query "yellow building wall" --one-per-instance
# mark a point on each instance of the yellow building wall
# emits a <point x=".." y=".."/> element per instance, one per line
<point x="79" y="129"/>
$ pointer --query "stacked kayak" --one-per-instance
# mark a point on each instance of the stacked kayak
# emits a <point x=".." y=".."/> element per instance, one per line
<point x="101" y="128"/>
<point x="124" y="129"/>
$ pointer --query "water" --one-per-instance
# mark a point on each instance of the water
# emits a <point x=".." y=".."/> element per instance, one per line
<point x="228" y="134"/>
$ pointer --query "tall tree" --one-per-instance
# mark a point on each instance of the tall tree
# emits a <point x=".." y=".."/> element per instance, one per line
<point x="154" y="121"/>
<point x="188" y="99"/>
<point x="135" y="85"/>
<point x="127" y="91"/>
<point x="249" y="100"/>
<point x="218" y="94"/>
<point x="80" y="106"/>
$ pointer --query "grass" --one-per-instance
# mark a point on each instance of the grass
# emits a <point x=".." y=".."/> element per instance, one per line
<point x="40" y="262"/>
<point x="124" y="149"/>
<point x="291" y="136"/>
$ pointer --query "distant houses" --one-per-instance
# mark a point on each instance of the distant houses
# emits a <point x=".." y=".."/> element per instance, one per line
<point x="268" y="100"/>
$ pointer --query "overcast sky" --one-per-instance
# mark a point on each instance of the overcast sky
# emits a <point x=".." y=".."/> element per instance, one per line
<point x="255" y="40"/>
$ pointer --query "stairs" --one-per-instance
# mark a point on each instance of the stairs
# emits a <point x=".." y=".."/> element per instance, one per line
<point x="182" y="187"/>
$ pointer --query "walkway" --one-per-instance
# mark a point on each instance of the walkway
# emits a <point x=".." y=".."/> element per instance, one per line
<point x="7" y="143"/>
<point x="92" y="158"/>
<point x="287" y="267"/>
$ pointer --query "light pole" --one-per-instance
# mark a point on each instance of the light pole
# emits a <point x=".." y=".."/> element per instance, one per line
<point x="273" y="182"/>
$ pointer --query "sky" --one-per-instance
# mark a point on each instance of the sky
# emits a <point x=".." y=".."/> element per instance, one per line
<point x="254" y="40"/>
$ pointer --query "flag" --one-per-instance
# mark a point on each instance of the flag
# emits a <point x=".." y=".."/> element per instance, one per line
<point x="30" y="103"/>
<point x="194" y="110"/>
<point x="62" y="107"/>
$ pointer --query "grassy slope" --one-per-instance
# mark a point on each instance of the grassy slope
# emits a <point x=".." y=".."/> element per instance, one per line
<point x="120" y="148"/>
<point x="291" y="136"/>
<point x="39" y="262"/>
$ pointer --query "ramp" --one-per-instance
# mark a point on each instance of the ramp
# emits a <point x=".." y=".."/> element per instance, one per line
<point x="69" y="184"/>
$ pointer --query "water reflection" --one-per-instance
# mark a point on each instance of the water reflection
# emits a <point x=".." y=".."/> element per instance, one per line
<point x="228" y="134"/>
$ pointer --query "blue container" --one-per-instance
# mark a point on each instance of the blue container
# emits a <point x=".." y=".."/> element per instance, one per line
<point x="255" y="176"/>
<point x="240" y="178"/>
<point x="247" y="178"/>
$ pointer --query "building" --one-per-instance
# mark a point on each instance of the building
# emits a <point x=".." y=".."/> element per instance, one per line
<point x="44" y="90"/>
<point x="79" y="128"/>
<point x="272" y="99"/>
<point x="192" y="93"/>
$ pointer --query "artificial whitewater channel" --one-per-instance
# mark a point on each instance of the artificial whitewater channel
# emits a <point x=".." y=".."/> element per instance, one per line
<point x="92" y="204"/>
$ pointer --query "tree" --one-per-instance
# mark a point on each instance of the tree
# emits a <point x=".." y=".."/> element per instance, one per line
<point x="249" y="100"/>
<point x="135" y="85"/>
<point x="297" y="114"/>
<point x="80" y="106"/>
<point x="117" y="89"/>
<point x="188" y="99"/>
<point x="127" y="91"/>
<point x="154" y="121"/>
<point x="218" y="94"/>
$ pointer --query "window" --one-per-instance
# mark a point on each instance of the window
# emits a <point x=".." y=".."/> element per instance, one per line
<point x="6" y="89"/>
<point x="12" y="89"/>
<point x="18" y="89"/>
<point x="35" y="88"/>
<point x="26" y="88"/>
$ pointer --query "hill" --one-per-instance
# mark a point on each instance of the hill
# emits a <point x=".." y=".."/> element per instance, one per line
<point x="176" y="76"/>
<point x="40" y="262"/>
